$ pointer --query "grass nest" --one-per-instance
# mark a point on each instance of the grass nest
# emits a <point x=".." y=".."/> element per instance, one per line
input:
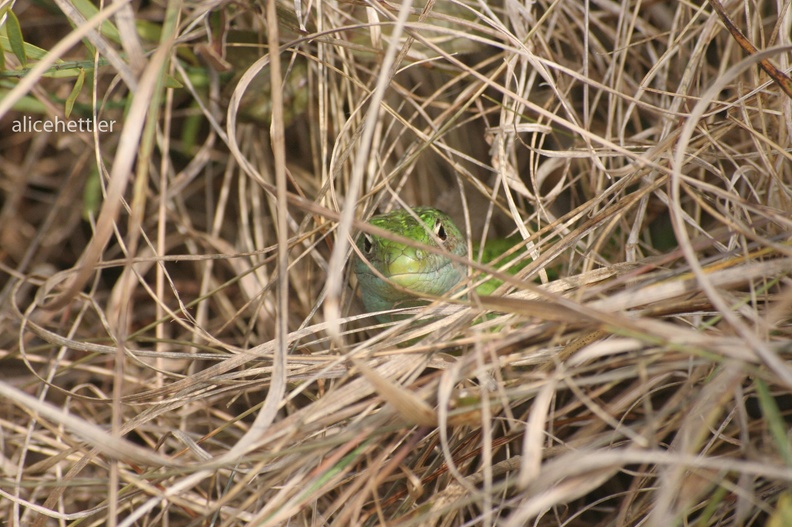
<point x="183" y="343"/>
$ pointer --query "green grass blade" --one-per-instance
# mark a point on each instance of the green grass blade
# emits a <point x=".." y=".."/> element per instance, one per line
<point x="15" y="39"/>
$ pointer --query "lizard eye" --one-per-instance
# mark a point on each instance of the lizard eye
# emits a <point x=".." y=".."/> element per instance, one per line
<point x="440" y="231"/>
<point x="367" y="244"/>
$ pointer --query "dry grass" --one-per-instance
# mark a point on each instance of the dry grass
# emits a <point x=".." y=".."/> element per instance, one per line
<point x="158" y="369"/>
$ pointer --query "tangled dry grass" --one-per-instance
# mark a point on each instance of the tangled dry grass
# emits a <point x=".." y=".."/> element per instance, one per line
<point x="182" y="342"/>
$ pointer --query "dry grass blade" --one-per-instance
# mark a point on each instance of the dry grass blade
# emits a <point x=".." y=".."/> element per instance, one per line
<point x="781" y="78"/>
<point x="211" y="363"/>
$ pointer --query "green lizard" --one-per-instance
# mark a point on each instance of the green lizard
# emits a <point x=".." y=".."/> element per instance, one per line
<point x="395" y="271"/>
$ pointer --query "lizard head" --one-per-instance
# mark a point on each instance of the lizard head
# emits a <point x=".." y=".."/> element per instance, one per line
<point x="393" y="272"/>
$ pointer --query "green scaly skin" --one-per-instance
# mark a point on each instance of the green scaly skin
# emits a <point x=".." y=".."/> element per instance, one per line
<point x="408" y="269"/>
<point x="402" y="271"/>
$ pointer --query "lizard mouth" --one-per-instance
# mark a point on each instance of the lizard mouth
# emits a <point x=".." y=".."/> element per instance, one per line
<point x="424" y="277"/>
<point x="406" y="266"/>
